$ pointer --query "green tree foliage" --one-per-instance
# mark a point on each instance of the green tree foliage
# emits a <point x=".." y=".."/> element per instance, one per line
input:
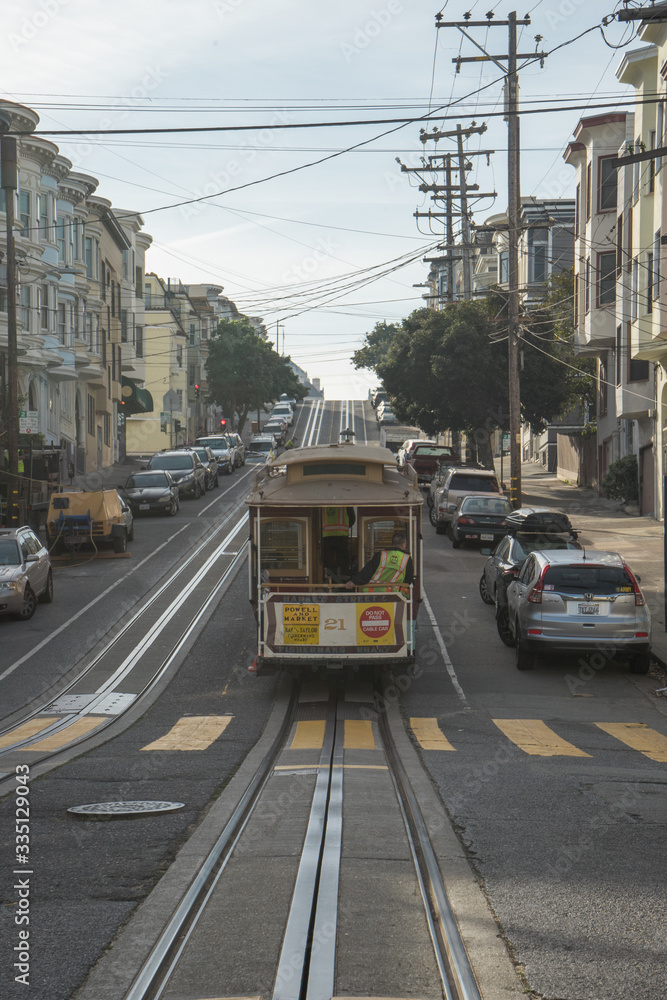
<point x="243" y="371"/>
<point x="376" y="346"/>
<point x="448" y="369"/>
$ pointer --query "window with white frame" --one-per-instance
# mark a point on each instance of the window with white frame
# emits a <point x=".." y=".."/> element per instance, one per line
<point x="606" y="278"/>
<point x="24" y="211"/>
<point x="24" y="303"/>
<point x="634" y="289"/>
<point x="649" y="281"/>
<point x="538" y="244"/>
<point x="606" y="185"/>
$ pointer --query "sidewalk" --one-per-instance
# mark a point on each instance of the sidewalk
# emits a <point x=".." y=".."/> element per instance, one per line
<point x="604" y="524"/>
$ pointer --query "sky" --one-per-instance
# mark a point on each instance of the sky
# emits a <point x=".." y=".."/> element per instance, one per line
<point x="320" y="237"/>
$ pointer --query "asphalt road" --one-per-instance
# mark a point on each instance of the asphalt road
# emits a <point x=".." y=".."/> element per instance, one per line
<point x="568" y="849"/>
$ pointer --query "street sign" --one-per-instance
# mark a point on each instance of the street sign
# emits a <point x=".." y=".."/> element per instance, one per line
<point x="171" y="400"/>
<point x="28" y="422"/>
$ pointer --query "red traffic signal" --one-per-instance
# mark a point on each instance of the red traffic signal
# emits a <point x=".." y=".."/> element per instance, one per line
<point x="223" y="423"/>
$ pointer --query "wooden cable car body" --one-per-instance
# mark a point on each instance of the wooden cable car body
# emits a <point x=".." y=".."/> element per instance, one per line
<point x="305" y="615"/>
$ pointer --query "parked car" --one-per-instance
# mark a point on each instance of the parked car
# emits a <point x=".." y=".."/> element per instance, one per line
<point x="479" y="519"/>
<point x="239" y="445"/>
<point x="377" y="397"/>
<point x="278" y="427"/>
<point x="459" y="482"/>
<point x="223" y="449"/>
<point x="25" y="572"/>
<point x="261" y="448"/>
<point x="406" y="448"/>
<point x="208" y="460"/>
<point x="509" y="554"/>
<point x="426" y="458"/>
<point x="151" y="490"/>
<point x="578" y="601"/>
<point x="387" y="416"/>
<point x="186" y="470"/>
<point x="283" y="410"/>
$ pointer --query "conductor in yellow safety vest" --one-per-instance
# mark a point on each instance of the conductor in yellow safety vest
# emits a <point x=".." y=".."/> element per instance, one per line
<point x="336" y="525"/>
<point x="391" y="566"/>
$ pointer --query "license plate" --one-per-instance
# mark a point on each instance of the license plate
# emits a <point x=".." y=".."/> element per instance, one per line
<point x="588" y="609"/>
<point x="486" y="538"/>
<point x="144" y="506"/>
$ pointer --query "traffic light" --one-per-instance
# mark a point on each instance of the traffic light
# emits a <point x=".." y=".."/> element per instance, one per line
<point x="223" y="424"/>
<point x="196" y="392"/>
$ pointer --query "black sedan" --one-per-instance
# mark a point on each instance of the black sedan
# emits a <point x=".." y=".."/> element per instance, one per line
<point x="152" y="490"/>
<point x="479" y="519"/>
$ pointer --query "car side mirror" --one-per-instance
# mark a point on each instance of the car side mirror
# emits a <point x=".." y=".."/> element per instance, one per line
<point x="32" y="557"/>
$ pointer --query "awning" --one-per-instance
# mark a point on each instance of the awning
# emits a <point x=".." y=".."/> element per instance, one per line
<point x="135" y="399"/>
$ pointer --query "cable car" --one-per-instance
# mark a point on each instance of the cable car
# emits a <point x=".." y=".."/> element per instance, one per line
<point x="317" y="516"/>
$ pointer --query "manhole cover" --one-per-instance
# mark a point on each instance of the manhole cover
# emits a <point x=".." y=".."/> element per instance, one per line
<point x="123" y="810"/>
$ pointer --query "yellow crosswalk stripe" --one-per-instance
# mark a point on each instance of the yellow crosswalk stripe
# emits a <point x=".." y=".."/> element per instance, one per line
<point x="308" y="735"/>
<point x="429" y="735"/>
<point x="536" y="738"/>
<point x="26" y="730"/>
<point x="79" y="728"/>
<point x="638" y="736"/>
<point x="193" y="732"/>
<point x="359" y="735"/>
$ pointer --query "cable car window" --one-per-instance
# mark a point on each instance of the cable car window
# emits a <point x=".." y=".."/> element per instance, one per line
<point x="334" y="469"/>
<point x="378" y="533"/>
<point x="283" y="545"/>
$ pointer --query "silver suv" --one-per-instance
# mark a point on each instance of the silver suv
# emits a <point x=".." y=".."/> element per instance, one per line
<point x="578" y="601"/>
<point x="25" y="572"/>
<point x="460" y="482"/>
<point x="223" y="448"/>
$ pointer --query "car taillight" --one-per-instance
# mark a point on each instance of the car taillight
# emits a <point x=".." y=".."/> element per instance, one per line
<point x="535" y="596"/>
<point x="639" y="597"/>
<point x="467" y="520"/>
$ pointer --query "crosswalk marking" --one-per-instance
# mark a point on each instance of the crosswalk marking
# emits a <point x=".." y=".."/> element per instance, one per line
<point x="638" y="736"/>
<point x="26" y="730"/>
<point x="534" y="737"/>
<point x="429" y="735"/>
<point x="194" y="732"/>
<point x="359" y="735"/>
<point x="78" y="728"/>
<point x="308" y="735"/>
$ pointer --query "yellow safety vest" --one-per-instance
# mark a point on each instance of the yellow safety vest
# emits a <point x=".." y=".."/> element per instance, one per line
<point x="335" y="522"/>
<point x="391" y="569"/>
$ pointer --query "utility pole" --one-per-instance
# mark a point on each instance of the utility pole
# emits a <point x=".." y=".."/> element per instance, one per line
<point x="279" y="327"/>
<point x="9" y="184"/>
<point x="448" y="193"/>
<point x="513" y="212"/>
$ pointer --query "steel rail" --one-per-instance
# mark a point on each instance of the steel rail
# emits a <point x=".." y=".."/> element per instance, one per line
<point x="133" y="620"/>
<point x="166" y="661"/>
<point x="456" y="971"/>
<point x="154" y="975"/>
<point x="315" y="896"/>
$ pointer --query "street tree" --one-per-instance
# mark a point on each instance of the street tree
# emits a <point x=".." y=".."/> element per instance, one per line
<point x="243" y="371"/>
<point x="447" y="369"/>
<point x="375" y="347"/>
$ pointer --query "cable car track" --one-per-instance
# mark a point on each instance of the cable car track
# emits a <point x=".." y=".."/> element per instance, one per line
<point x="129" y="656"/>
<point x="307" y="966"/>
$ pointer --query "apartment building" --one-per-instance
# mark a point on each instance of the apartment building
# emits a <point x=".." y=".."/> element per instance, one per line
<point x="641" y="394"/>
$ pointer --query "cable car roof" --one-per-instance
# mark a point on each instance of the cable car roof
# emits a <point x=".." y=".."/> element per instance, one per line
<point x="346" y="473"/>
